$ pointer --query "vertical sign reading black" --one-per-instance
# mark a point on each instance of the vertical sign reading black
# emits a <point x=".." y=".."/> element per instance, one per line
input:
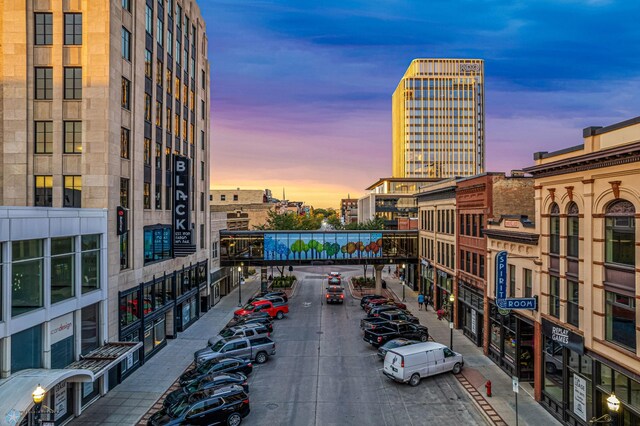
<point x="181" y="202"/>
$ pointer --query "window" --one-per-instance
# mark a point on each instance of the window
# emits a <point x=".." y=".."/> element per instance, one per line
<point x="44" y="29"/>
<point x="169" y="82"/>
<point x="148" y="20"/>
<point x="202" y="232"/>
<point x="44" y="83"/>
<point x="223" y="197"/>
<point x="126" y="44"/>
<point x="158" y="114"/>
<point x="620" y="319"/>
<point x="26" y="349"/>
<point x="178" y="50"/>
<point x="512" y="281"/>
<point x="235" y="197"/>
<point x="214" y="249"/>
<point x="474" y="224"/>
<point x="202" y="201"/>
<point x="169" y="42"/>
<point x="481" y="266"/>
<point x="124" y="251"/>
<point x="147" y="152"/>
<point x="620" y="231"/>
<point x="148" y="58"/>
<point x="159" y="72"/>
<point x="169" y="121"/>
<point x="72" y="191"/>
<point x="43" y="191"/>
<point x="124" y="193"/>
<point x="73" y="137"/>
<point x="147" y="107"/>
<point x="573" y="293"/>
<point x="44" y="137"/>
<point x="90" y="263"/>
<point x="158" y="197"/>
<point x="126" y="94"/>
<point x="203" y="79"/>
<point x="129" y="312"/>
<point x="72" y="29"/>
<point x="554" y="296"/>
<point x="528" y="282"/>
<point x="146" y="196"/>
<point x="73" y="83"/>
<point x="159" y="32"/>
<point x="573" y="230"/>
<point x="62" y="268"/>
<point x="90" y="328"/>
<point x="176" y="89"/>
<point x="202" y="170"/>
<point x="126" y="5"/>
<point x="554" y="229"/>
<point x="157" y="243"/>
<point x="124" y="142"/>
<point x="27" y="276"/>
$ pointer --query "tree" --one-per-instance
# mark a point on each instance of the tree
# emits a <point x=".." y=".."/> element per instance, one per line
<point x="374" y="224"/>
<point x="289" y="222"/>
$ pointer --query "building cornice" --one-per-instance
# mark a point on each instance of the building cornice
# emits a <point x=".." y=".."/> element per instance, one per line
<point x="514" y="237"/>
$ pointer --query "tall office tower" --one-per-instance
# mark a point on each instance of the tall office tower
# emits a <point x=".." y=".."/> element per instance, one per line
<point x="438" y="119"/>
<point x="105" y="104"/>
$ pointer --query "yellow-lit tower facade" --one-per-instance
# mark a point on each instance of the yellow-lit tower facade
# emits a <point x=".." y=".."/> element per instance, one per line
<point x="438" y="119"/>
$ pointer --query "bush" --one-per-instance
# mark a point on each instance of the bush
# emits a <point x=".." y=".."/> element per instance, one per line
<point x="367" y="282"/>
<point x="283" y="282"/>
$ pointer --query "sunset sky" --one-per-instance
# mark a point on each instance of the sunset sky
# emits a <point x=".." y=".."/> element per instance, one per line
<point x="301" y="90"/>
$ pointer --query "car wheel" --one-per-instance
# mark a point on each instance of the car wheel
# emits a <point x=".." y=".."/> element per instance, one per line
<point x="261" y="358"/>
<point x="551" y="369"/>
<point x="234" y="419"/>
<point x="457" y="368"/>
<point x="279" y="315"/>
<point x="424" y="338"/>
<point x="414" y="380"/>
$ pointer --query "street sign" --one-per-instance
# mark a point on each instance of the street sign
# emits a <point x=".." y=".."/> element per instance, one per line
<point x="514" y="383"/>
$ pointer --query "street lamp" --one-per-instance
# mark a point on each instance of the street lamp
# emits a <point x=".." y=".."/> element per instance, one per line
<point x="613" y="404"/>
<point x="38" y="397"/>
<point x="239" y="286"/>
<point x="452" y="299"/>
<point x="403" y="298"/>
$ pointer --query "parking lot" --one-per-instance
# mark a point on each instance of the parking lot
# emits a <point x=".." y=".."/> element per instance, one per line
<point x="325" y="374"/>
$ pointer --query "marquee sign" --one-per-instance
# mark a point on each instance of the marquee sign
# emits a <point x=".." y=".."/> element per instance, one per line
<point x="181" y="201"/>
<point x="502" y="301"/>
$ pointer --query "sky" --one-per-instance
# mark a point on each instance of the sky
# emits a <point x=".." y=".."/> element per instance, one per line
<point x="301" y="90"/>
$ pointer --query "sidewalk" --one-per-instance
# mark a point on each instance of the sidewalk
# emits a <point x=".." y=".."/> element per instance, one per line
<point x="133" y="398"/>
<point x="500" y="408"/>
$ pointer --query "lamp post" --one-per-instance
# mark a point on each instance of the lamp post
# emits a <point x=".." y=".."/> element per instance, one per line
<point x="38" y="397"/>
<point x="452" y="299"/>
<point x="403" y="298"/>
<point x="239" y="286"/>
<point x="613" y="404"/>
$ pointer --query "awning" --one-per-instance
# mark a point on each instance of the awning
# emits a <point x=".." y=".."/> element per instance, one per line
<point x="15" y="391"/>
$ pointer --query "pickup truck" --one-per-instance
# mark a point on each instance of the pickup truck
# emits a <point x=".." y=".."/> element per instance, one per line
<point x="380" y="302"/>
<point x="258" y="349"/>
<point x="275" y="310"/>
<point x="377" y="310"/>
<point x="394" y="329"/>
<point x="372" y="323"/>
<point x="397" y="315"/>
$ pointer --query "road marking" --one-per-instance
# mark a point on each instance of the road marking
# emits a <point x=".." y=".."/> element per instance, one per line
<point x="306" y="304"/>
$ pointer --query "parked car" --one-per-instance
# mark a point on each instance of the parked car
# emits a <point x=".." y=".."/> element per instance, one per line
<point x="379" y="302"/>
<point x="397" y="315"/>
<point x="269" y="294"/>
<point x="335" y="294"/>
<point x="411" y="363"/>
<point x="216" y="366"/>
<point x="392" y="344"/>
<point x="377" y="310"/>
<point x="372" y="323"/>
<point x="227" y="405"/>
<point x="365" y="299"/>
<point x="394" y="329"/>
<point x="265" y="320"/>
<point x="206" y="382"/>
<point x="275" y="310"/>
<point x="246" y="330"/>
<point x="258" y="349"/>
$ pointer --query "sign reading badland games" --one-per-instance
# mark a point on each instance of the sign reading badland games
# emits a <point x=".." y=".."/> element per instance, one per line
<point x="181" y="201"/>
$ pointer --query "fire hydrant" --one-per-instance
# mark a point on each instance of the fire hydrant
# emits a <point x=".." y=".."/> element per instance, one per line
<point x="488" y="387"/>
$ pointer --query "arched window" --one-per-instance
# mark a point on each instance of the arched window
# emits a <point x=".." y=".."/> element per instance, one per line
<point x="554" y="229"/>
<point x="620" y="233"/>
<point x="573" y="233"/>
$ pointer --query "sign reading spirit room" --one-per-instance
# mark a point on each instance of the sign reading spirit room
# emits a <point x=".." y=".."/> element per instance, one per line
<point x="181" y="201"/>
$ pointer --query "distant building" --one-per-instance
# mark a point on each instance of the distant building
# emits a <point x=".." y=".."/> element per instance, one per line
<point x="245" y="208"/>
<point x="349" y="210"/>
<point x="438" y="119"/>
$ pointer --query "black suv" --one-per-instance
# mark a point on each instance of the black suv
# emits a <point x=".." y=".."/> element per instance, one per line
<point x="226" y="405"/>
<point x="216" y="366"/>
<point x="206" y="382"/>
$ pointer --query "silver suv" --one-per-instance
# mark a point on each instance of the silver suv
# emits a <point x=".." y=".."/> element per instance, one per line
<point x="249" y="331"/>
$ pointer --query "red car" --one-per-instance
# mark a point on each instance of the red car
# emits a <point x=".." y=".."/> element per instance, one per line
<point x="275" y="310"/>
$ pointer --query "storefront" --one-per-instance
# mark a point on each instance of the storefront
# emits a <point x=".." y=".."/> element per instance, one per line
<point x="511" y="343"/>
<point x="470" y="312"/>
<point x="444" y="288"/>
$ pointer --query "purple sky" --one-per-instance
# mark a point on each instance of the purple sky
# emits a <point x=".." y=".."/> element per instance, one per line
<point x="301" y="91"/>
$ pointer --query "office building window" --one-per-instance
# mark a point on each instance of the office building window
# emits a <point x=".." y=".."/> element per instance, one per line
<point x="147" y="152"/>
<point x="573" y="230"/>
<point x="43" y="29"/>
<point x="157" y="243"/>
<point x="126" y="94"/>
<point x="26" y="349"/>
<point x="160" y="32"/>
<point x="203" y="79"/>
<point x="554" y="229"/>
<point x="159" y="72"/>
<point x="124" y="193"/>
<point x="72" y="29"/>
<point x="201" y="139"/>
<point x="202" y="170"/>
<point x="158" y="197"/>
<point x="554" y="296"/>
<point x="620" y="233"/>
<point x="169" y="121"/>
<point x="169" y="42"/>
<point x="146" y="199"/>
<point x="147" y="107"/>
<point x="126" y="44"/>
<point x="528" y="282"/>
<point x="62" y="268"/>
<point x="169" y="82"/>
<point x="124" y="251"/>
<point x="27" y="276"/>
<point x="44" y="83"/>
<point x="44" y="137"/>
<point x="620" y="319"/>
<point x="178" y="50"/>
<point x="202" y="201"/>
<point x="148" y="58"/>
<point x="573" y="293"/>
<point x="90" y="328"/>
<point x="90" y="265"/>
<point x="124" y="142"/>
<point x="72" y="191"/>
<point x="202" y="234"/>
<point x="73" y="137"/>
<point x="126" y="5"/>
<point x="148" y="19"/>
<point x="72" y="83"/>
<point x="43" y="191"/>
<point x="158" y="114"/>
<point x="177" y="85"/>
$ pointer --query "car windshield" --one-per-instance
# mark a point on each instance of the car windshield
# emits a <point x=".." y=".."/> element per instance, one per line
<point x="393" y="344"/>
<point x="178" y="409"/>
<point x="192" y="388"/>
<point x="248" y="307"/>
<point x="217" y="345"/>
<point x="227" y="333"/>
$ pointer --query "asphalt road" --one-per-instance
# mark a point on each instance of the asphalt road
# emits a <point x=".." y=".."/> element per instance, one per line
<point x="325" y="374"/>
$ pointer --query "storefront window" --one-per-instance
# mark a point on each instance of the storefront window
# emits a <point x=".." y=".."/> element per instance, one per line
<point x="149" y="298"/>
<point x="621" y="386"/>
<point x="134" y="358"/>
<point x="554" y="229"/>
<point x="606" y="378"/>
<point x="159" y="331"/>
<point x="26" y="277"/>
<point x="129" y="308"/>
<point x="620" y="320"/>
<point x="553" y="366"/>
<point x="148" y="338"/>
<point x="496" y="335"/>
<point x="90" y="263"/>
<point x="620" y="233"/>
<point x="510" y="344"/>
<point x="26" y="349"/>
<point x="157" y="243"/>
<point x="62" y="268"/>
<point x="90" y="328"/>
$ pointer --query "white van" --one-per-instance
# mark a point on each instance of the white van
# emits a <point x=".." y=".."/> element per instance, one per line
<point x="412" y="363"/>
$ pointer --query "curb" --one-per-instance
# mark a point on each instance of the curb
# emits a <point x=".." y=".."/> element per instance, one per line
<point x="351" y="289"/>
<point x="489" y="413"/>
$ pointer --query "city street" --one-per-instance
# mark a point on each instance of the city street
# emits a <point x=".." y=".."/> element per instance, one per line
<point x="325" y="374"/>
